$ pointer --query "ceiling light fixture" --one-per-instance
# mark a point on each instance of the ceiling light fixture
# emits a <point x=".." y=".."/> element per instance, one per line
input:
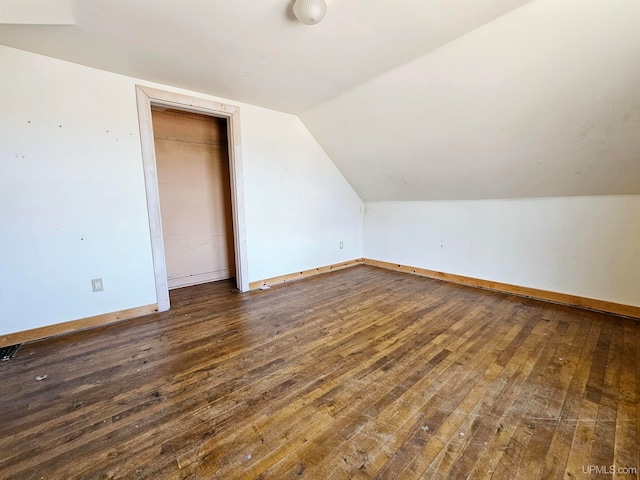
<point x="309" y="12"/>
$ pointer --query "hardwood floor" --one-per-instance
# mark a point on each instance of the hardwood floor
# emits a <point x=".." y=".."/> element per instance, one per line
<point x="361" y="373"/>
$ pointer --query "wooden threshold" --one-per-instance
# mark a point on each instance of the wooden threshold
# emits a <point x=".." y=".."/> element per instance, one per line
<point x="75" y="325"/>
<point x="304" y="274"/>
<point x="555" y="297"/>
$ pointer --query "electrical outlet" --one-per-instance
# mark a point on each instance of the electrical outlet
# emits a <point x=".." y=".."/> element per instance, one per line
<point x="96" y="285"/>
<point x="341" y="245"/>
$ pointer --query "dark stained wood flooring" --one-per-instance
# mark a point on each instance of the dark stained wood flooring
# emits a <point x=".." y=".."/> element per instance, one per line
<point x="362" y="373"/>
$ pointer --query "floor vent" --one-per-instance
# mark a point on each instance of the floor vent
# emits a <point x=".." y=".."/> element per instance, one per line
<point x="7" y="353"/>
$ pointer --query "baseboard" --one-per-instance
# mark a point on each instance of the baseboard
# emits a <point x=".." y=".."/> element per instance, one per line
<point x="107" y="318"/>
<point x="563" y="298"/>
<point x="304" y="274"/>
<point x="75" y="325"/>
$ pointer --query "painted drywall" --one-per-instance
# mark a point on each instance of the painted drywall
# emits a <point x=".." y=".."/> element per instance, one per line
<point x="73" y="204"/>
<point x="299" y="206"/>
<point x="541" y="102"/>
<point x="72" y="198"/>
<point x="586" y="246"/>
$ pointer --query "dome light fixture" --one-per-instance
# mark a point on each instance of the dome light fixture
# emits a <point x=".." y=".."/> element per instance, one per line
<point x="309" y="12"/>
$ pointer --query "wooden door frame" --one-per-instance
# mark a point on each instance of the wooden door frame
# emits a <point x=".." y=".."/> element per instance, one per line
<point x="146" y="97"/>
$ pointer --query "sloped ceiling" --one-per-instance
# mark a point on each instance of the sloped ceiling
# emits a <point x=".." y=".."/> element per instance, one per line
<point x="412" y="99"/>
<point x="542" y="102"/>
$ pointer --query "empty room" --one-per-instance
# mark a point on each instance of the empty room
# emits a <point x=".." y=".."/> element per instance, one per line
<point x="322" y="239"/>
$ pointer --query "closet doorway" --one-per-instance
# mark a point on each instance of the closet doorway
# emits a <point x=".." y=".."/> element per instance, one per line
<point x="229" y="116"/>
<point x="194" y="185"/>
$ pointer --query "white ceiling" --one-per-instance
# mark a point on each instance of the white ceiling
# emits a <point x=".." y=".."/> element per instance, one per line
<point x="412" y="99"/>
<point x="252" y="51"/>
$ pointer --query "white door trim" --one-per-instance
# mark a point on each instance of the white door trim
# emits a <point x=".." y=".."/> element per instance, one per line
<point x="148" y="96"/>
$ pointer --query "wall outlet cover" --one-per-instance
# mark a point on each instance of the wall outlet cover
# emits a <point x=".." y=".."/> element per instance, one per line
<point x="96" y="285"/>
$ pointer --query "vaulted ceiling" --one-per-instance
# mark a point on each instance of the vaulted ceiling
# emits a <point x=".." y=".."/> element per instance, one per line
<point x="412" y="99"/>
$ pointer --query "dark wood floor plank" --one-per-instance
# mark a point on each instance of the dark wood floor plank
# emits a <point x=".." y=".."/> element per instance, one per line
<point x="436" y="457"/>
<point x="572" y="381"/>
<point x="387" y="377"/>
<point x="462" y="451"/>
<point x="602" y="451"/>
<point x="583" y="435"/>
<point x="357" y="374"/>
<point x="626" y="443"/>
<point x="524" y="389"/>
<point x="390" y="417"/>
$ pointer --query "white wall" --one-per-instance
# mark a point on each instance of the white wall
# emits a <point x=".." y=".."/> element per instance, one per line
<point x="299" y="206"/>
<point x="73" y="205"/>
<point x="72" y="199"/>
<point x="587" y="246"/>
